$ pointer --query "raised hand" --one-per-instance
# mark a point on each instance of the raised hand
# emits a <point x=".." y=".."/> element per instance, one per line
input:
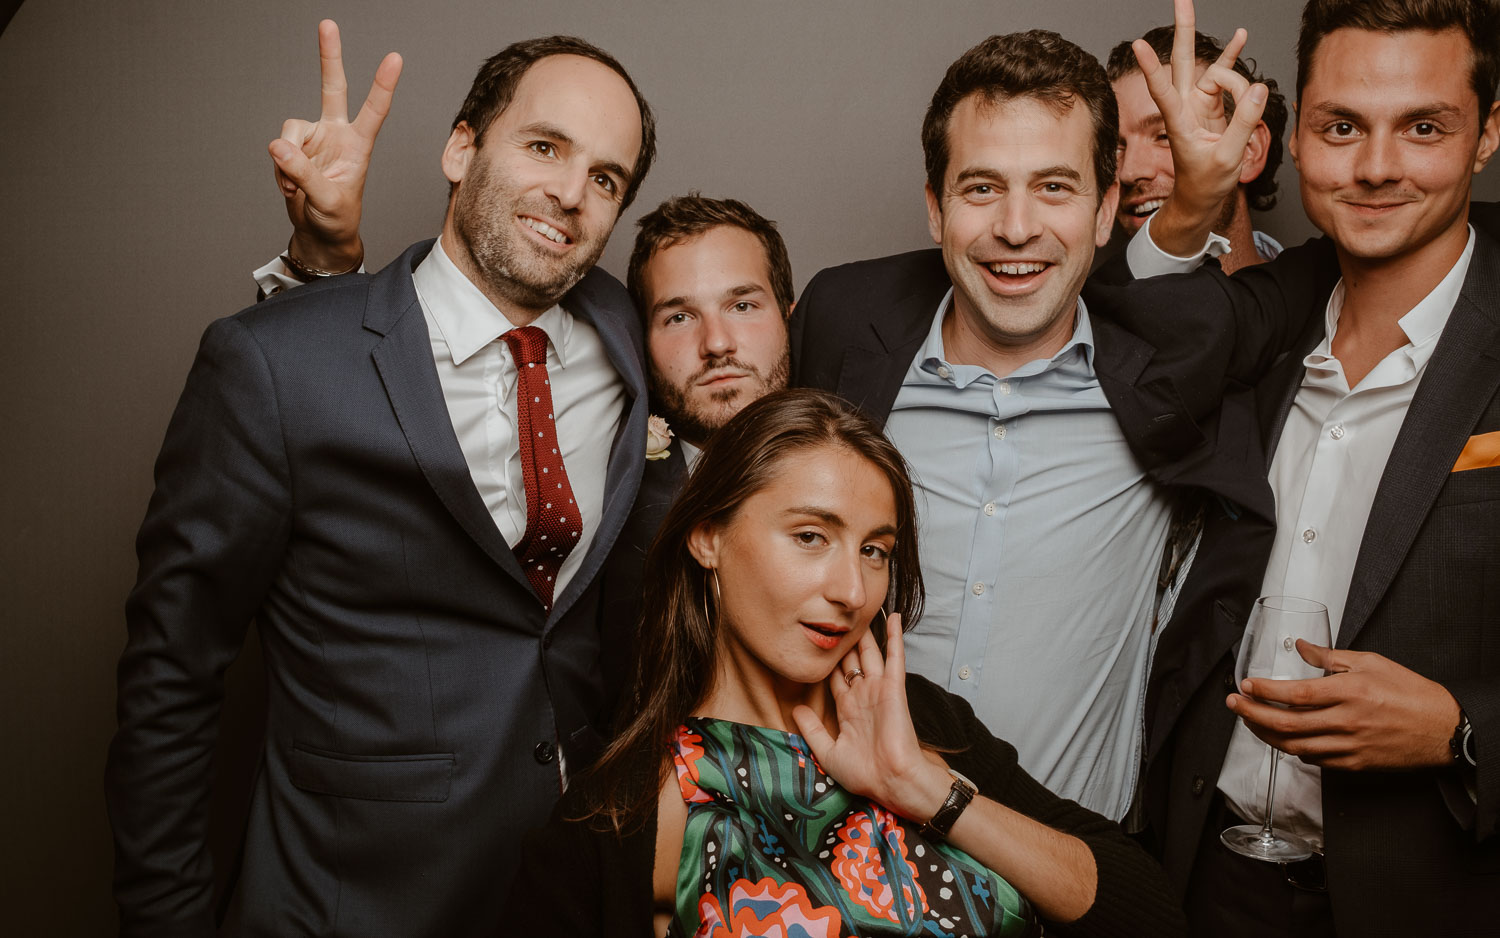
<point x="1207" y="150"/>
<point x="876" y="753"/>
<point x="321" y="167"/>
<point x="1368" y="713"/>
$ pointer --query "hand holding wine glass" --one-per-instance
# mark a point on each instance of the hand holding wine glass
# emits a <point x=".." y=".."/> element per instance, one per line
<point x="1269" y="650"/>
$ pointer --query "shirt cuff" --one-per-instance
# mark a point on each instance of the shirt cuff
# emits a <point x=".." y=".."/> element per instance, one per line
<point x="274" y="277"/>
<point x="1148" y="260"/>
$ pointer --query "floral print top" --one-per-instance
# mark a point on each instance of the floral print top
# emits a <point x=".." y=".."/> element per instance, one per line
<point x="775" y="847"/>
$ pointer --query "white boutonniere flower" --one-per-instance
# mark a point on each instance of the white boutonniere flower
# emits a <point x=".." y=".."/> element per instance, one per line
<point x="658" y="438"/>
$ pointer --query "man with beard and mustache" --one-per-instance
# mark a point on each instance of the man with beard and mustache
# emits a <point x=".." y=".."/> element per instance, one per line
<point x="1145" y="172"/>
<point x="410" y="480"/>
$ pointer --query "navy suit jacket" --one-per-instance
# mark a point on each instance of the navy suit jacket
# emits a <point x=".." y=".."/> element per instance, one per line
<point x="418" y="691"/>
<point x="1402" y="847"/>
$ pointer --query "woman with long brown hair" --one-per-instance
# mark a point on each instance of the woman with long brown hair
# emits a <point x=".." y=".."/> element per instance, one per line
<point x="776" y="771"/>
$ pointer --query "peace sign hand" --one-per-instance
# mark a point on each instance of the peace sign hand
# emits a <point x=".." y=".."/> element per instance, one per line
<point x="876" y="753"/>
<point x="321" y="167"/>
<point x="1207" y="150"/>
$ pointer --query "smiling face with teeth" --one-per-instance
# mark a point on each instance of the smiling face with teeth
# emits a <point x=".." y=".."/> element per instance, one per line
<point x="538" y="195"/>
<point x="1018" y="220"/>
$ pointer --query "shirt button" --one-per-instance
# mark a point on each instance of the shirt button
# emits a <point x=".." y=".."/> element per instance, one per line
<point x="945" y="372"/>
<point x="1005" y="387"/>
<point x="544" y="752"/>
<point x="1337" y="432"/>
<point x="978" y="589"/>
<point x="963" y="673"/>
<point x="989" y="508"/>
<point x="1309" y="536"/>
<point x="1000" y="432"/>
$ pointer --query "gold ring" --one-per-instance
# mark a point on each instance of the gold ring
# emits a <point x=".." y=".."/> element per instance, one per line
<point x="851" y="675"/>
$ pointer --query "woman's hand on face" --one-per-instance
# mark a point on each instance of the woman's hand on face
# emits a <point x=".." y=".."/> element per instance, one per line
<point x="876" y="753"/>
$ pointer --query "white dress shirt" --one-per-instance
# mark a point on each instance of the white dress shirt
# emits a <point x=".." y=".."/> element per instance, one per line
<point x="1327" y="467"/>
<point x="478" y="378"/>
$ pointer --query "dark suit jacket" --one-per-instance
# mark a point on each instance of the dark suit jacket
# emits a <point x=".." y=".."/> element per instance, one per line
<point x="1405" y="850"/>
<point x="624" y="571"/>
<point x="311" y="479"/>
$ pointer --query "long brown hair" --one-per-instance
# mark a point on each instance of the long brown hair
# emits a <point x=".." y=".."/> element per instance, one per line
<point x="678" y="640"/>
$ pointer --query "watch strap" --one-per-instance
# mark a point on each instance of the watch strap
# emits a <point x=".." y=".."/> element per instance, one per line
<point x="959" y="795"/>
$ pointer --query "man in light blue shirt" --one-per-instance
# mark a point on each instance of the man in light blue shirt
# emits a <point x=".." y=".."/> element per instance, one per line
<point x="1037" y="436"/>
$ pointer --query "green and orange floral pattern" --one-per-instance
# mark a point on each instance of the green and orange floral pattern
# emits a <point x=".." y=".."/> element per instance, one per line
<point x="775" y="848"/>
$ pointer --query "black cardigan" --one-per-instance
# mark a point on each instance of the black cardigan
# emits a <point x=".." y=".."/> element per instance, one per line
<point x="577" y="881"/>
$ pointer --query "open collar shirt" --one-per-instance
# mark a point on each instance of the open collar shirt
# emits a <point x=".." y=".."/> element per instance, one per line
<point x="1040" y="538"/>
<point x="1328" y="464"/>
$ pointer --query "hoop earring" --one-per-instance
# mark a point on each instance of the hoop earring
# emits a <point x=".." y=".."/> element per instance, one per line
<point x="885" y="621"/>
<point x="707" y="617"/>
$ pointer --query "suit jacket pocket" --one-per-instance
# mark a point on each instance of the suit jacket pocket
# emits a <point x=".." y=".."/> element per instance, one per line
<point x="419" y="777"/>
<point x="1470" y="485"/>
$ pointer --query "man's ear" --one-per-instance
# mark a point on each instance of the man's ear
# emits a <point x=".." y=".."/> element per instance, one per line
<point x="1291" y="142"/>
<point x="1489" y="138"/>
<point x="1256" y="150"/>
<point x="934" y="214"/>
<point x="459" y="152"/>
<point x="1104" y="219"/>
<point x="703" y="544"/>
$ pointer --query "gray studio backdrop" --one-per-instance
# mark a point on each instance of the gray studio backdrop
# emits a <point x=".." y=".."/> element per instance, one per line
<point x="137" y="196"/>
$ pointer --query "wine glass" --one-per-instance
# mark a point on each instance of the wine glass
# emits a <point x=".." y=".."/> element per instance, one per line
<point x="1269" y="650"/>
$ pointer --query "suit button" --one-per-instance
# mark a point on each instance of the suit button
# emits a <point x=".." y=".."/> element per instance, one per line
<point x="1229" y="680"/>
<point x="1198" y="785"/>
<point x="544" y="752"/>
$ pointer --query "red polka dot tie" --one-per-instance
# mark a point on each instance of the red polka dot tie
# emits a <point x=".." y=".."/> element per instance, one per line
<point x="553" y="521"/>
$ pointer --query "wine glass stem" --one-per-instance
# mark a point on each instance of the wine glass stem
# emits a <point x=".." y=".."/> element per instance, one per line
<point x="1266" y="834"/>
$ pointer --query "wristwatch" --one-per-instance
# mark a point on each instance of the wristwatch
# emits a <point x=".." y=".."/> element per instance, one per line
<point x="959" y="796"/>
<point x="1462" y="743"/>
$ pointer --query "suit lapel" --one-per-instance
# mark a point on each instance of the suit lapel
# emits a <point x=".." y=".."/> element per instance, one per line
<point x="873" y="367"/>
<point x="1458" y="383"/>
<point x="600" y="301"/>
<point x="403" y="359"/>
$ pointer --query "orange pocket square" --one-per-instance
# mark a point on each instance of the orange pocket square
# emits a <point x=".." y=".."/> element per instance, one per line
<point x="1481" y="451"/>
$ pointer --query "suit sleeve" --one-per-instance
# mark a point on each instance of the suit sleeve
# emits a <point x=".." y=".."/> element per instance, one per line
<point x="1247" y="320"/>
<point x="211" y="542"/>
<point x="1480" y="699"/>
<point x="808" y="334"/>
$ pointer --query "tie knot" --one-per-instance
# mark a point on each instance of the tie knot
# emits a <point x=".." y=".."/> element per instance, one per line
<point x="528" y="345"/>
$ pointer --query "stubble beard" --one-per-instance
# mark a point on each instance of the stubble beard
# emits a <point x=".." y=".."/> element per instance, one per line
<point x="484" y="219"/>
<point x="697" y="420"/>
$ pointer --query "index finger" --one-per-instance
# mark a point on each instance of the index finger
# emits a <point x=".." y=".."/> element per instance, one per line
<point x="378" y="103"/>
<point x="895" y="645"/>
<point x="331" y="66"/>
<point x="1308" y="692"/>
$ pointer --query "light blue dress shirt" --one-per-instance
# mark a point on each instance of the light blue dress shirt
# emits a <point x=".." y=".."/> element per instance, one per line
<point x="1041" y="538"/>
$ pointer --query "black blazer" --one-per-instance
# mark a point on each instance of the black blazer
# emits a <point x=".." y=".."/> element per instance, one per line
<point x="418" y="692"/>
<point x="1402" y="847"/>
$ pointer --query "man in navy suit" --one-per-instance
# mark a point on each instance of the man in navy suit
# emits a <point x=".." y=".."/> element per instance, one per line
<point x="362" y="467"/>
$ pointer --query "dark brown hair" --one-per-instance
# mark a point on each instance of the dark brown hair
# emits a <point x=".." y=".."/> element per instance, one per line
<point x="678" y="642"/>
<point x="687" y="216"/>
<point x="496" y="82"/>
<point x="1035" y="64"/>
<point x="1479" y="20"/>
<point x="1260" y="192"/>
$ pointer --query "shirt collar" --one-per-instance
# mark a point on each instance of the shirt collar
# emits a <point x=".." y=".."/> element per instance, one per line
<point x="1424" y="322"/>
<point x="466" y="317"/>
<point x="931" y="356"/>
